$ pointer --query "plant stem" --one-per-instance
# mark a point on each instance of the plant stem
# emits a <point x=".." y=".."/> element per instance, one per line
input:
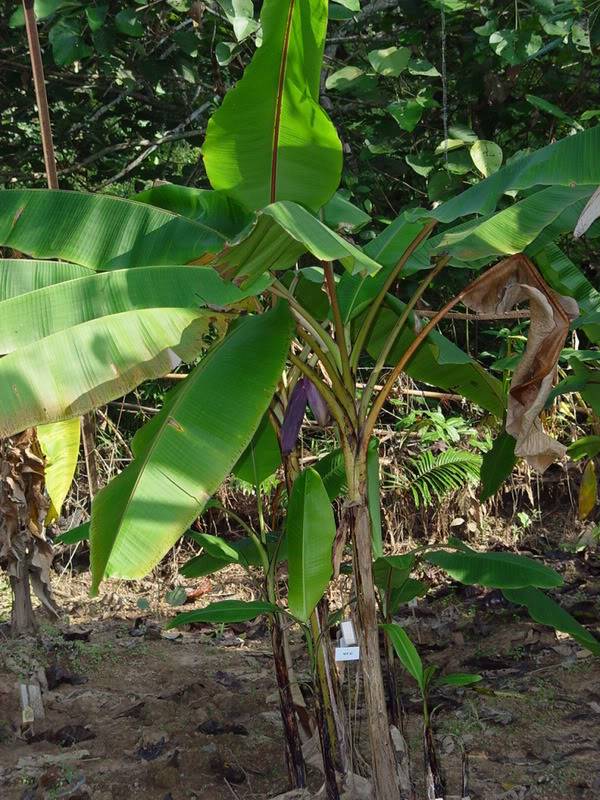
<point x="373" y="415"/>
<point x="294" y="755"/>
<point x="326" y="707"/>
<point x="434" y="782"/>
<point x="324" y="720"/>
<point x="393" y="335"/>
<point x="39" y="84"/>
<point x="338" y="326"/>
<point x="308" y="321"/>
<point x="385" y="776"/>
<point x="365" y="329"/>
<point x="339" y="390"/>
<point x="22" y="621"/>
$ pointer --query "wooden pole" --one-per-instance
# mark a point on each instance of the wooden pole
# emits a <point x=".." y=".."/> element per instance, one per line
<point x="88" y="422"/>
<point x="41" y="98"/>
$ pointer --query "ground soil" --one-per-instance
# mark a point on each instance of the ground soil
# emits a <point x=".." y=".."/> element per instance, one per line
<point x="154" y="705"/>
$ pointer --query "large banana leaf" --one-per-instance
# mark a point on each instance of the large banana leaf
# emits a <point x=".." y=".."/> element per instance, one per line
<point x="216" y="209"/>
<point x="224" y="612"/>
<point x="571" y="162"/>
<point x="270" y="139"/>
<point x="21" y="275"/>
<point x="246" y="554"/>
<point x="438" y="362"/>
<point x="544" y="610"/>
<point x="565" y="277"/>
<point x="60" y="444"/>
<point x="310" y="535"/>
<point x="513" y="229"/>
<point x="355" y="292"/>
<point x="495" y="570"/>
<point x="186" y="451"/>
<point x="73" y="371"/>
<point x="262" y="457"/>
<point x="32" y="316"/>
<point x="100" y="231"/>
<point x="280" y="234"/>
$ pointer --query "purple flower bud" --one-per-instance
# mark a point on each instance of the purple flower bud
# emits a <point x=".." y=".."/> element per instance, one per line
<point x="294" y="414"/>
<point x="318" y="406"/>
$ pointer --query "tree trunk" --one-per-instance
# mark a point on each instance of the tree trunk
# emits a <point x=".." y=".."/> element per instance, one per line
<point x="24" y="552"/>
<point x="293" y="751"/>
<point x="328" y="676"/>
<point x="385" y="776"/>
<point x="22" y="621"/>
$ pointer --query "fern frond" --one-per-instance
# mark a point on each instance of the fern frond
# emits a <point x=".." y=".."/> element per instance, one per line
<point x="431" y="477"/>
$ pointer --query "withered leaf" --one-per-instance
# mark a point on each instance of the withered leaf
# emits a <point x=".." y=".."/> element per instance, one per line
<point x="23" y="508"/>
<point x="512" y="281"/>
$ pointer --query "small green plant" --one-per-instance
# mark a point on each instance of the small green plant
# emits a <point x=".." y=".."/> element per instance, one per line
<point x="426" y="679"/>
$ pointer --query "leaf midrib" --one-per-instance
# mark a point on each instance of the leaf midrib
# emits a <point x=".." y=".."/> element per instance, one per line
<point x="279" y="100"/>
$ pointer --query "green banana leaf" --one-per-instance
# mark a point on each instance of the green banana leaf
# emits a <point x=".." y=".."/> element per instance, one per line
<point x="270" y="139"/>
<point x="410" y="589"/>
<point x="565" y="277"/>
<point x="216" y="209"/>
<point x="497" y="464"/>
<point x="99" y="231"/>
<point x="60" y="444"/>
<point x="262" y="457"/>
<point x="79" y="534"/>
<point x="516" y="227"/>
<point x="570" y="162"/>
<point x="310" y="534"/>
<point x="438" y="362"/>
<point x="32" y="316"/>
<point x="280" y="234"/>
<point x="332" y="470"/>
<point x="392" y="572"/>
<point x="246" y="555"/>
<point x="225" y="611"/>
<point x="406" y="652"/>
<point x="584" y="447"/>
<point x="543" y="609"/>
<point x="343" y="216"/>
<point x="73" y="371"/>
<point x="183" y="455"/>
<point x="22" y="275"/>
<point x="494" y="570"/>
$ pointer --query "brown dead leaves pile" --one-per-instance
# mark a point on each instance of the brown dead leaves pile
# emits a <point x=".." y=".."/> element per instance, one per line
<point x="513" y="281"/>
<point x="23" y="508"/>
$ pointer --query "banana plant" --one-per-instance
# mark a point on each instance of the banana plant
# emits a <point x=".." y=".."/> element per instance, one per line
<point x="121" y="290"/>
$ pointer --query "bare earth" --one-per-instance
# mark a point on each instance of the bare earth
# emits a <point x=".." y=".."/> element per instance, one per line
<point x="197" y="716"/>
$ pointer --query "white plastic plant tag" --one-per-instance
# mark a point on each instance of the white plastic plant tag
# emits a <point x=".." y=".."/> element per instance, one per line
<point x="348" y="634"/>
<point x="347" y="653"/>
